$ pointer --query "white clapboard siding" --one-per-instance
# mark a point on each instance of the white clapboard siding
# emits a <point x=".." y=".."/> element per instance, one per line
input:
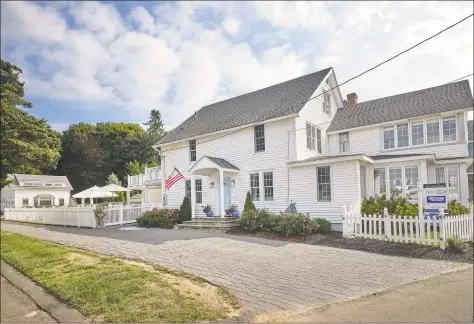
<point x="431" y="231"/>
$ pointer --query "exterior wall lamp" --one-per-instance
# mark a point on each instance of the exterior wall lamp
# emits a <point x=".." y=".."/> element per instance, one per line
<point x="232" y="183"/>
<point x="211" y="184"/>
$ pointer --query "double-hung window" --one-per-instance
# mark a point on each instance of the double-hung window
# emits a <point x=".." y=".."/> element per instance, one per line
<point x="327" y="103"/>
<point x="192" y="150"/>
<point x="25" y="202"/>
<point x="448" y="175"/>
<point x="268" y="185"/>
<point x="255" y="186"/>
<point x="61" y="201"/>
<point x="402" y="135"/>
<point x="432" y="131"/>
<point x="323" y="177"/>
<point x="344" y="142"/>
<point x="449" y="129"/>
<point x="417" y="134"/>
<point x="380" y="182"/>
<point x="389" y="138"/>
<point x="318" y="140"/>
<point x="198" y="184"/>
<point x="310" y="136"/>
<point x="259" y="134"/>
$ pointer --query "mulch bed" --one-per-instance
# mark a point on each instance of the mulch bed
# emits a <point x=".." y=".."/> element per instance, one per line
<point x="336" y="240"/>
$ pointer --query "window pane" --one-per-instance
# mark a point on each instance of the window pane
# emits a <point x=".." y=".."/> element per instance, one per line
<point x="440" y="177"/>
<point x="198" y="184"/>
<point x="395" y="182"/>
<point x="268" y="185"/>
<point x="388" y="138"/>
<point x="259" y="138"/>
<point x="449" y="130"/>
<point x="319" y="140"/>
<point x="453" y="177"/>
<point x="187" y="189"/>
<point x="417" y="137"/>
<point x="344" y="142"/>
<point x="255" y="186"/>
<point x="324" y="183"/>
<point x="380" y="182"/>
<point x="402" y="135"/>
<point x="310" y="136"/>
<point x="25" y="201"/>
<point x="192" y="150"/>
<point x="411" y="182"/>
<point x="432" y="131"/>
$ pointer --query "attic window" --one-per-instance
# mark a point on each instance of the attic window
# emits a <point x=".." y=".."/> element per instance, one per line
<point x="327" y="103"/>
<point x="192" y="150"/>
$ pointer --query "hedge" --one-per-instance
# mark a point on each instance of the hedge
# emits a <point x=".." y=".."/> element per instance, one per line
<point x="163" y="218"/>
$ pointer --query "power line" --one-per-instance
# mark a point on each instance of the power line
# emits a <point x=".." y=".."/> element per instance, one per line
<point x="338" y="86"/>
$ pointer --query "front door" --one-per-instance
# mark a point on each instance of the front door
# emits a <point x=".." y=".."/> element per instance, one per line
<point x="227" y="193"/>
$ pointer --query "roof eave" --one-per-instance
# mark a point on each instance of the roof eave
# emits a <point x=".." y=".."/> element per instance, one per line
<point x="335" y="159"/>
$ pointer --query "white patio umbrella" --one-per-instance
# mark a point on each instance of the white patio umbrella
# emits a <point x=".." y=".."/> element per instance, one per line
<point x="114" y="188"/>
<point x="93" y="192"/>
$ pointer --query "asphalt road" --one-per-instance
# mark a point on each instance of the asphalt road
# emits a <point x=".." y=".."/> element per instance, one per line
<point x="17" y="307"/>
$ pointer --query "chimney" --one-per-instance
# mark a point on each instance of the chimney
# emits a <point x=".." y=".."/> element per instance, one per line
<point x="352" y="99"/>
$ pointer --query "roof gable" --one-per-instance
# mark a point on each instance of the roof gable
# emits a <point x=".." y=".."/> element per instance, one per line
<point x="279" y="100"/>
<point x="445" y="98"/>
<point x="29" y="180"/>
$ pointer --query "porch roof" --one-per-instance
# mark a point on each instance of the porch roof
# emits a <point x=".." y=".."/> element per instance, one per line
<point x="207" y="164"/>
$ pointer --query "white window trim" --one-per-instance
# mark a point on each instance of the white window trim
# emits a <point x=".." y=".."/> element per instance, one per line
<point x="422" y="122"/>
<point x="250" y="186"/>
<point x="255" y="142"/>
<point x="195" y="150"/>
<point x="23" y="202"/>
<point x="348" y="141"/>
<point x="331" y="183"/>
<point x="195" y="191"/>
<point x="394" y="137"/>
<point x="442" y="130"/>
<point x="387" y="176"/>
<point x="315" y="136"/>
<point x="262" y="187"/>
<point x="458" y="190"/>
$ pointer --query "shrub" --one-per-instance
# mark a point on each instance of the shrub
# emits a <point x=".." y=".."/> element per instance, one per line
<point x="249" y="205"/>
<point x="455" y="244"/>
<point x="248" y="221"/>
<point x="185" y="210"/>
<point x="398" y="206"/>
<point x="456" y="209"/>
<point x="99" y="214"/>
<point x="158" y="218"/>
<point x="324" y="226"/>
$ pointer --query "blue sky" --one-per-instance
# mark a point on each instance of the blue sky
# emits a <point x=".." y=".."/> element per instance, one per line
<point x="115" y="61"/>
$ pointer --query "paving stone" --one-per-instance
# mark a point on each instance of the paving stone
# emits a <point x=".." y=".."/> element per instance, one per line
<point x="264" y="278"/>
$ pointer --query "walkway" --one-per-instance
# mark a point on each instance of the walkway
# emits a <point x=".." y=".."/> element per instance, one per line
<point x="264" y="278"/>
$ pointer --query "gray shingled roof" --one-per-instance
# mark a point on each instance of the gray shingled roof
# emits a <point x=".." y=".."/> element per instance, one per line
<point x="470" y="132"/>
<point x="222" y="163"/>
<point x="276" y="101"/>
<point x="434" y="100"/>
<point x="41" y="178"/>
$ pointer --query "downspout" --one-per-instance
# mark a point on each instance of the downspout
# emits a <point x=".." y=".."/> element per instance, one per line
<point x="288" y="170"/>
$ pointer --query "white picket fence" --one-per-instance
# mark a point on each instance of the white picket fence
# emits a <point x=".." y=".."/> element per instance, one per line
<point x="431" y="231"/>
<point x="77" y="216"/>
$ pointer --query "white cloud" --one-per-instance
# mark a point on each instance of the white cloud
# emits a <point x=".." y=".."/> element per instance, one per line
<point x="231" y="25"/>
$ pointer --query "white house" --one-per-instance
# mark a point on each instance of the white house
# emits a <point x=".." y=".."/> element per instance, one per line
<point x="36" y="190"/>
<point x="298" y="141"/>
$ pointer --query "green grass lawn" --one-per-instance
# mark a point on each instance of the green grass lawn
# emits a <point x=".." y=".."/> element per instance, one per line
<point x="111" y="290"/>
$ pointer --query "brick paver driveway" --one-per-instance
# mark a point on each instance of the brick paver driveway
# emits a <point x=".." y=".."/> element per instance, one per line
<point x="263" y="277"/>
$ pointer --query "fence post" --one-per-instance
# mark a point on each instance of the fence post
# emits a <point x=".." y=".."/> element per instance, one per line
<point x="442" y="239"/>
<point x="388" y="226"/>
<point x="121" y="215"/>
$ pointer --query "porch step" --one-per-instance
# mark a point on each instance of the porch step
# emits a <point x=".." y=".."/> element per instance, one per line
<point x="209" y="226"/>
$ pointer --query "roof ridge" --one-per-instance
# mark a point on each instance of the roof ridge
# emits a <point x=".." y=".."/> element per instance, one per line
<point x="407" y="93"/>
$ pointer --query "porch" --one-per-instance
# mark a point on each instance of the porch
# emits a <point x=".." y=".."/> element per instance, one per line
<point x="221" y="173"/>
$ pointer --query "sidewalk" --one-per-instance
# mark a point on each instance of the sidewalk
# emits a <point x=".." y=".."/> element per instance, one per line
<point x="18" y="307"/>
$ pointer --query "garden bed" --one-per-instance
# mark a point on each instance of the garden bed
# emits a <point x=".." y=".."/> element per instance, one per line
<point x="335" y="239"/>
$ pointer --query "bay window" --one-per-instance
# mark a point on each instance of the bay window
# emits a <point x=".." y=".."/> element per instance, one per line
<point x="411" y="182"/>
<point x="395" y="182"/>
<point x="388" y="138"/>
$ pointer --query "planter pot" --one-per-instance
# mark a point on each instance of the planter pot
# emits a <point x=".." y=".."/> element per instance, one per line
<point x="210" y="213"/>
<point x="235" y="213"/>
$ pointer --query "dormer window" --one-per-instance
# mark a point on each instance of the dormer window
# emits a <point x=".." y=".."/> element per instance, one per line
<point x="327" y="103"/>
<point x="192" y="150"/>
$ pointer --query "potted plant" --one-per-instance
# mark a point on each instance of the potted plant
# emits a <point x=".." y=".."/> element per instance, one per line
<point x="208" y="210"/>
<point x="232" y="211"/>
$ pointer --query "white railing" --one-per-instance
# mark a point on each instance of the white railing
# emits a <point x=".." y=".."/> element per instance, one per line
<point x="432" y="230"/>
<point x="151" y="174"/>
<point x="78" y="216"/>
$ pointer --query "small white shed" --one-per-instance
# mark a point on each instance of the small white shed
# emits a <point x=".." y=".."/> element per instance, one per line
<point x="29" y="190"/>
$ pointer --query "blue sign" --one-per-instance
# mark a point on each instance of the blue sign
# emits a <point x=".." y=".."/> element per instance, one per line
<point x="434" y="185"/>
<point x="436" y="199"/>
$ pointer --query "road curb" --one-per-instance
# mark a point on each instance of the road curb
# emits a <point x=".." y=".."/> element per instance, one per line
<point x="40" y="297"/>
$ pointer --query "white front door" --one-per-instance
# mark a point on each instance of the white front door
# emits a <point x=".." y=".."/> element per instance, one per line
<point x="227" y="193"/>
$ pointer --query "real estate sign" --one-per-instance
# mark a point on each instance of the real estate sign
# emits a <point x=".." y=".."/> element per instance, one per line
<point x="435" y="196"/>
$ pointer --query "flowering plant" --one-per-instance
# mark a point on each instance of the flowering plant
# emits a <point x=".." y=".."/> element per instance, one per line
<point x="207" y="208"/>
<point x="231" y="209"/>
<point x="173" y="211"/>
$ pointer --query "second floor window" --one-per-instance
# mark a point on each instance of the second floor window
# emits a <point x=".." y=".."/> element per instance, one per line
<point x="259" y="132"/>
<point x="318" y="139"/>
<point x="310" y="136"/>
<point x="344" y="142"/>
<point x="449" y="129"/>
<point x="402" y="135"/>
<point x="192" y="150"/>
<point x="388" y="138"/>
<point x="432" y="131"/>
<point x="327" y="103"/>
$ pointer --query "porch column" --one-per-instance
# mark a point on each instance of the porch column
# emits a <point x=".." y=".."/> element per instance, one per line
<point x="193" y="197"/>
<point x="221" y="192"/>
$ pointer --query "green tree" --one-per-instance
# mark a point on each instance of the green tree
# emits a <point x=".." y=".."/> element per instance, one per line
<point x="249" y="205"/>
<point x="156" y="129"/>
<point x="28" y="144"/>
<point x="185" y="210"/>
<point x="112" y="179"/>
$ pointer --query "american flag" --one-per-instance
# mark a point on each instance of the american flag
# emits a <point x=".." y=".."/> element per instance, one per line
<point x="173" y="178"/>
